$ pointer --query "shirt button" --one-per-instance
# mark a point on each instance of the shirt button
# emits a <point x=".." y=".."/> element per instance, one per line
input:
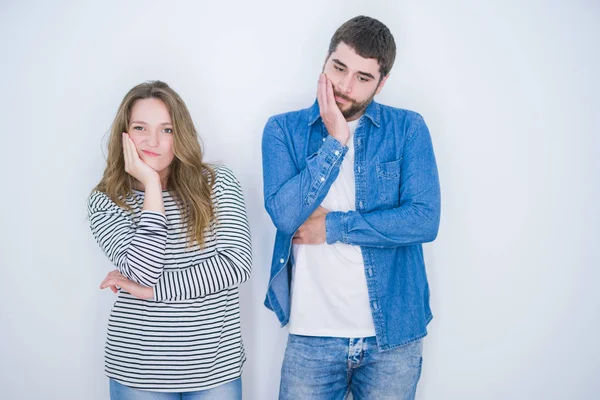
<point x="358" y="168"/>
<point x="337" y="153"/>
<point x="322" y="179"/>
<point x="323" y="139"/>
<point x="370" y="272"/>
<point x="374" y="305"/>
<point x="282" y="261"/>
<point x="360" y="204"/>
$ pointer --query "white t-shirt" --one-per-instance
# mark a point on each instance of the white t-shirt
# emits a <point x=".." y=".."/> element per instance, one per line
<point x="329" y="287"/>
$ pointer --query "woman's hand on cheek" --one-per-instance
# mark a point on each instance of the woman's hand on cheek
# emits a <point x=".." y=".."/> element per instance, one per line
<point x="135" y="166"/>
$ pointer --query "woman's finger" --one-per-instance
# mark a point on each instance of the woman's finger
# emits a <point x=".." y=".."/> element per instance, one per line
<point x="116" y="274"/>
<point x="103" y="283"/>
<point x="110" y="275"/>
<point x="106" y="283"/>
<point x="135" y="156"/>
<point x="126" y="152"/>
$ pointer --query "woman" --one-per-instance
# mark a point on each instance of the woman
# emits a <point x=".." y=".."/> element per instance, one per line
<point x="176" y="230"/>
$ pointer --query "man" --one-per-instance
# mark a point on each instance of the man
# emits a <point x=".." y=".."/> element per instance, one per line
<point x="352" y="187"/>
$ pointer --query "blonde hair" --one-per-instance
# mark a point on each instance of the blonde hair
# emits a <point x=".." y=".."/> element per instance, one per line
<point x="190" y="179"/>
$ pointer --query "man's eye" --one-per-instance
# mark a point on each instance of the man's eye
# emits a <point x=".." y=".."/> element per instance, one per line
<point x="338" y="68"/>
<point x="363" y="79"/>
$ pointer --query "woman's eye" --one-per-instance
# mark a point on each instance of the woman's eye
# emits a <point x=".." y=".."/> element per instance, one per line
<point x="138" y="128"/>
<point x="168" y="130"/>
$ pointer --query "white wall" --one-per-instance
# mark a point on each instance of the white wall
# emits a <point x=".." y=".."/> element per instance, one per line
<point x="510" y="92"/>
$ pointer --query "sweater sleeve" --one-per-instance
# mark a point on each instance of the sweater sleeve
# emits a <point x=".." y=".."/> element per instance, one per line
<point x="230" y="264"/>
<point x="136" y="250"/>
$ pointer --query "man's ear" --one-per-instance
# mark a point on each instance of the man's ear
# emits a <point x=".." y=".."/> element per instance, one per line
<point x="381" y="84"/>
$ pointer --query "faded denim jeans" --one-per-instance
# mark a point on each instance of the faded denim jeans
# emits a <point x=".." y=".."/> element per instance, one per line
<point x="228" y="391"/>
<point x="328" y="368"/>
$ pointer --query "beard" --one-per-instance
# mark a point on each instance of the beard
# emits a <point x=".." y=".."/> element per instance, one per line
<point x="355" y="107"/>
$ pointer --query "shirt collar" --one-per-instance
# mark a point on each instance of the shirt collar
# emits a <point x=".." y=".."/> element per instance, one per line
<point x="373" y="112"/>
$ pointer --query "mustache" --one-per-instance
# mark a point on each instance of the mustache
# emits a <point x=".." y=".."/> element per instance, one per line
<point x="343" y="96"/>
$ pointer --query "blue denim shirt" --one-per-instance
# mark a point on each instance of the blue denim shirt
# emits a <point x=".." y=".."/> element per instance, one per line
<point x="397" y="208"/>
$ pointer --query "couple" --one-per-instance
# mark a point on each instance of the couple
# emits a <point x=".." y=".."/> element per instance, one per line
<point x="351" y="186"/>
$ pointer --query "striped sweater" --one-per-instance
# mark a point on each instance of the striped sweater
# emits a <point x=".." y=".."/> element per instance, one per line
<point x="188" y="338"/>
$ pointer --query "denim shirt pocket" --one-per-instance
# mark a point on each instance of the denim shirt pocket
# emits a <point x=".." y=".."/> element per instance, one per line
<point x="388" y="182"/>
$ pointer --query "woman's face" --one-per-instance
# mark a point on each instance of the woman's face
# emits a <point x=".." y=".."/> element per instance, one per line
<point x="151" y="129"/>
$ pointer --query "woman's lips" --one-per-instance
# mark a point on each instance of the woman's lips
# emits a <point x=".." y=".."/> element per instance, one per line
<point x="150" y="153"/>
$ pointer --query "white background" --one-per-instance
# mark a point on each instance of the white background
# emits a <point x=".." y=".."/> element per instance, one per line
<point x="510" y="92"/>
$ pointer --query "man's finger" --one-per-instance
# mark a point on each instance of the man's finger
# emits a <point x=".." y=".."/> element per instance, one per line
<point x="319" y="211"/>
<point x="330" y="98"/>
<point x="321" y="94"/>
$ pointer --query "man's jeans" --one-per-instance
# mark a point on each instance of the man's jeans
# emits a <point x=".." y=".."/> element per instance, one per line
<point x="327" y="368"/>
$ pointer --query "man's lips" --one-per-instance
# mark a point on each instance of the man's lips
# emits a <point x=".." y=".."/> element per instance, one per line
<point x="340" y="100"/>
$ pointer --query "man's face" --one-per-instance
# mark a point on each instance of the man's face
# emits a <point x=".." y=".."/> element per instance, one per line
<point x="355" y="80"/>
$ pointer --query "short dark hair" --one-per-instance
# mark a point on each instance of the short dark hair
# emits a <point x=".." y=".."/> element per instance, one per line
<point x="370" y="39"/>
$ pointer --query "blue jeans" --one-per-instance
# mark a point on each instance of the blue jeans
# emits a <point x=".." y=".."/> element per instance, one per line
<point x="324" y="368"/>
<point x="228" y="391"/>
